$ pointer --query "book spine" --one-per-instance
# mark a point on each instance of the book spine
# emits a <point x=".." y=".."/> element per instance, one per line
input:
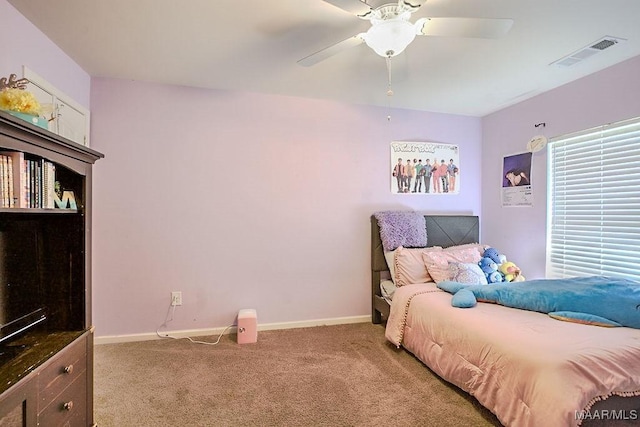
<point x="6" y="195"/>
<point x="45" y="184"/>
<point x="52" y="185"/>
<point x="25" y="183"/>
<point x="3" y="183"/>
<point x="12" y="201"/>
<point x="32" y="184"/>
<point x="38" y="184"/>
<point x="48" y="184"/>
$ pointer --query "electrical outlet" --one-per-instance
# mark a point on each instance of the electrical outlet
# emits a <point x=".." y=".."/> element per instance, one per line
<point x="176" y="298"/>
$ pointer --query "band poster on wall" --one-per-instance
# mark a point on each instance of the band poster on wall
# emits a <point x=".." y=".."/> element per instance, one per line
<point x="424" y="168"/>
<point x="516" y="180"/>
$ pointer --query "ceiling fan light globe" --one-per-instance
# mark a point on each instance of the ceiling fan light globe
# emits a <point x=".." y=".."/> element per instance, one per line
<point x="390" y="38"/>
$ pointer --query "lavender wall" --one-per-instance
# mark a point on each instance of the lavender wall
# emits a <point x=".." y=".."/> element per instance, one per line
<point x="24" y="44"/>
<point x="607" y="96"/>
<point x="246" y="201"/>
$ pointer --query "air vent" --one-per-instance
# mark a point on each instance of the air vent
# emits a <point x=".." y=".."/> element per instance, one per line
<point x="605" y="43"/>
<point x="588" y="51"/>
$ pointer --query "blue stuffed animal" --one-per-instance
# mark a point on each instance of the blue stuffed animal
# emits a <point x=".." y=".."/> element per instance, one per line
<point x="495" y="277"/>
<point x="490" y="269"/>
<point x="493" y="254"/>
<point x="487" y="265"/>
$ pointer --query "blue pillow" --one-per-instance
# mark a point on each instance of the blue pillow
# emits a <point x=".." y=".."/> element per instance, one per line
<point x="464" y="298"/>
<point x="584" y="318"/>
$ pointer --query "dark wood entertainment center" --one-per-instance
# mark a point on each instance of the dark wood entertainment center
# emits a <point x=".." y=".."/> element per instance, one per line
<point x="46" y="372"/>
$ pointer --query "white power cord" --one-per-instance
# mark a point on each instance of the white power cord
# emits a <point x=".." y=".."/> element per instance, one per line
<point x="171" y="311"/>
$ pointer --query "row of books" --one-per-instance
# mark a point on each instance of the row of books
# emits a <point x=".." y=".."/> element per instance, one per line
<point x="26" y="183"/>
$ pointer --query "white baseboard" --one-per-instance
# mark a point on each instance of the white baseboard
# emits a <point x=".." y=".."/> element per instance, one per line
<point x="112" y="339"/>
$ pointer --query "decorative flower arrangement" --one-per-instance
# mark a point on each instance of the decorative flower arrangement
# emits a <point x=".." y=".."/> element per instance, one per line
<point x="21" y="101"/>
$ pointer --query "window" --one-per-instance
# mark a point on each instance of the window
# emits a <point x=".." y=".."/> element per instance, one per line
<point x="594" y="202"/>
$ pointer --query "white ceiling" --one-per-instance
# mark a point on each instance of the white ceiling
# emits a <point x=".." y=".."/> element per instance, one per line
<point x="254" y="45"/>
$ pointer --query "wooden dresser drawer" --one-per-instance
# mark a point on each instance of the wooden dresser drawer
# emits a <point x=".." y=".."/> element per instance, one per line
<point x="61" y="370"/>
<point x="69" y="408"/>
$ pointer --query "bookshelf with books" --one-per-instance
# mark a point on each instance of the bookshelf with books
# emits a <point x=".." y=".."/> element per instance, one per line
<point x="46" y="333"/>
<point x="27" y="182"/>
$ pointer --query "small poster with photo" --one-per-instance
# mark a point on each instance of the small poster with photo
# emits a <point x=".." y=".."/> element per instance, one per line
<point x="424" y="168"/>
<point x="516" y="180"/>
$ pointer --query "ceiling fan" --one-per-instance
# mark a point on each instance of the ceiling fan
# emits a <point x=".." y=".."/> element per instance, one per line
<point x="391" y="31"/>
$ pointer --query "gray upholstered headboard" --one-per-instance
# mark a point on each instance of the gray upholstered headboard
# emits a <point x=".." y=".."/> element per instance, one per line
<point x="442" y="230"/>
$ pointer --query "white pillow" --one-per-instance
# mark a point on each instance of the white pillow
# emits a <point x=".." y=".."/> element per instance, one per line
<point x="390" y="257"/>
<point x="387" y="289"/>
<point x="467" y="272"/>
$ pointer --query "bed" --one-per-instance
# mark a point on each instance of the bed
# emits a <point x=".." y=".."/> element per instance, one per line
<point x="524" y="366"/>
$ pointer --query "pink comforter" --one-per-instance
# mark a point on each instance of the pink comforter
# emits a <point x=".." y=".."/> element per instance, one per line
<point x="527" y="368"/>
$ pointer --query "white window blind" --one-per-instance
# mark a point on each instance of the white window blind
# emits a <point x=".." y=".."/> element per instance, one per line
<point x="594" y="202"/>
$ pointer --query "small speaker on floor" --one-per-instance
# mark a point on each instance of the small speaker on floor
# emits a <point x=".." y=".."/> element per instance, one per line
<point x="247" y="326"/>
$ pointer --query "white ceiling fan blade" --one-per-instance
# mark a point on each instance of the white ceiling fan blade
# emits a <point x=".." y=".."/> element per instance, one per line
<point x="411" y="5"/>
<point x="323" y="54"/>
<point x="464" y="27"/>
<point x="357" y="7"/>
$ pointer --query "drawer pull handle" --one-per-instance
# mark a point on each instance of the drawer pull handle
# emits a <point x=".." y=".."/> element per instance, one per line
<point x="68" y="406"/>
<point x="68" y="369"/>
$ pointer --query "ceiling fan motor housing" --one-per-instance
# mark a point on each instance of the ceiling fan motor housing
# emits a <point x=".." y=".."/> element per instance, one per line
<point x="390" y="32"/>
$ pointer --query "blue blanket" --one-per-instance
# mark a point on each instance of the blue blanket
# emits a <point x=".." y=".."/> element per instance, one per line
<point x="615" y="299"/>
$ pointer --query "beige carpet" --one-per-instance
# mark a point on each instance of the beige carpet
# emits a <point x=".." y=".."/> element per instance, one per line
<point x="345" y="375"/>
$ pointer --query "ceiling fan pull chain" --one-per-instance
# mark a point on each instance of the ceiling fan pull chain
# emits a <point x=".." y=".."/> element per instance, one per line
<point x="389" y="90"/>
